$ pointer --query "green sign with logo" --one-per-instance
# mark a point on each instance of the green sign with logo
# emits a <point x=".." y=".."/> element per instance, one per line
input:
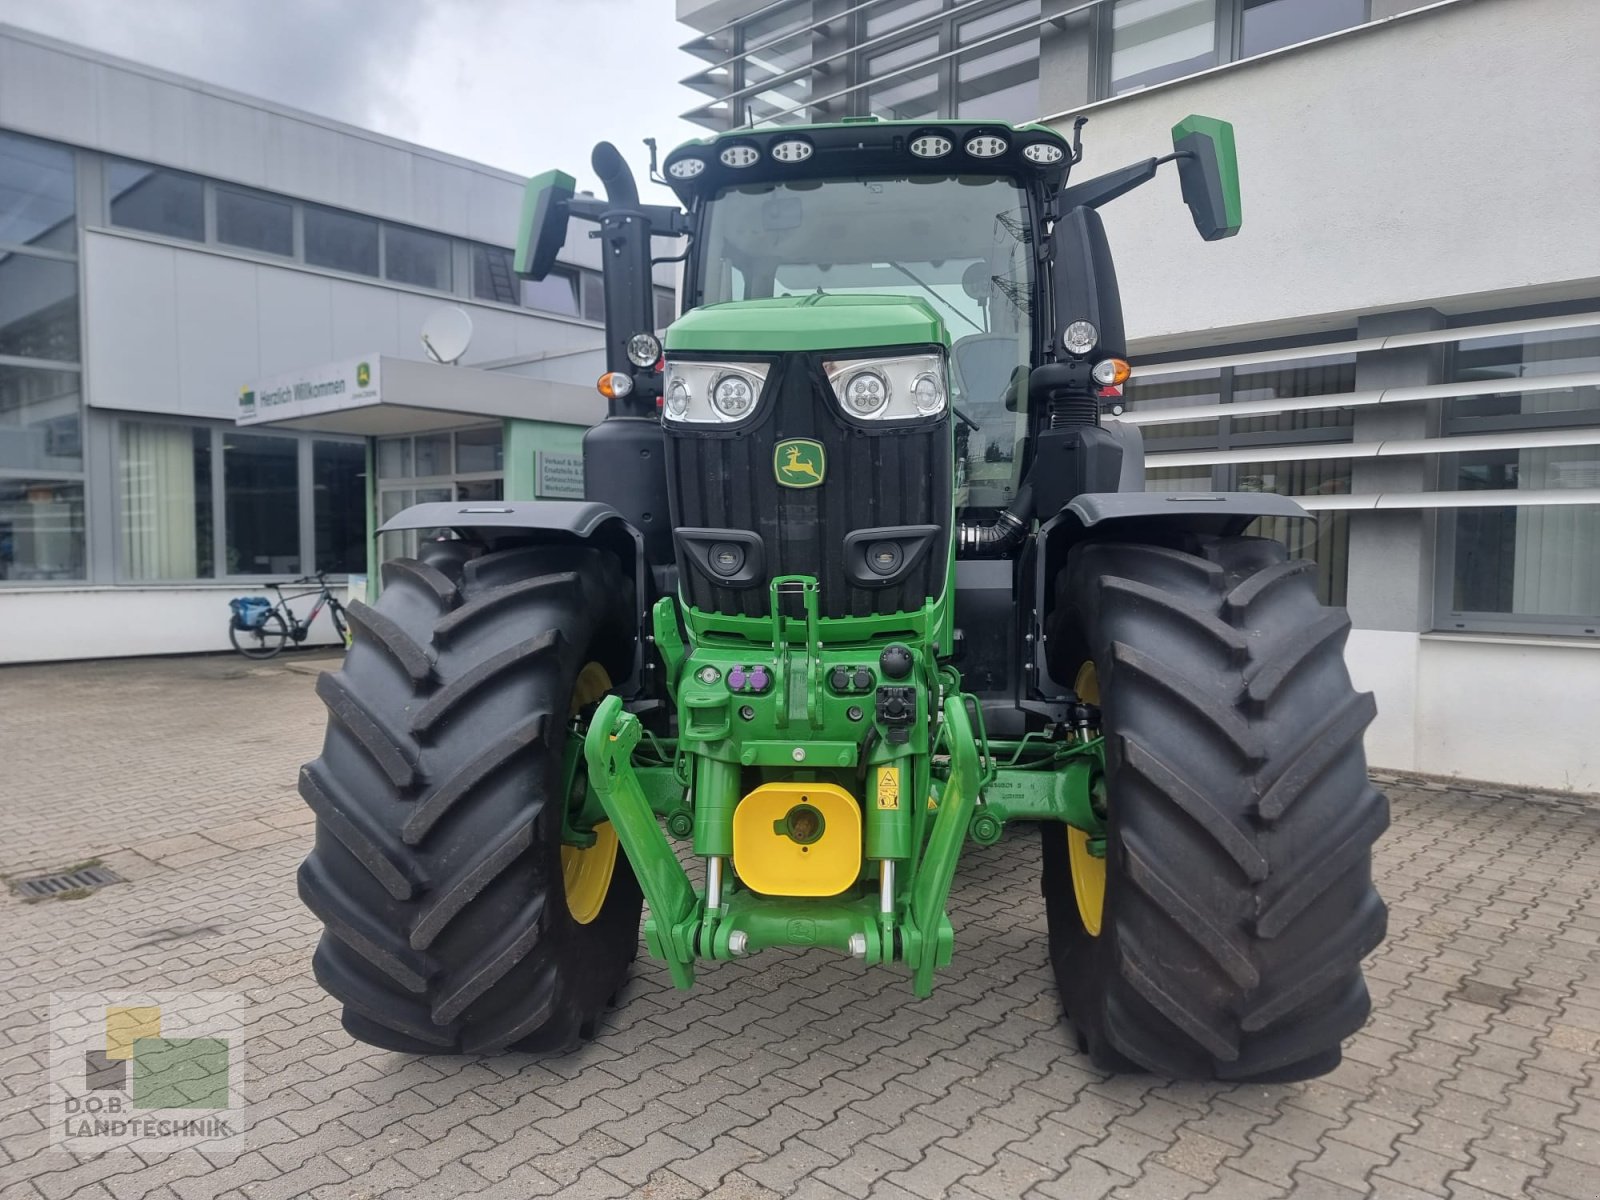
<point x="799" y="462"/>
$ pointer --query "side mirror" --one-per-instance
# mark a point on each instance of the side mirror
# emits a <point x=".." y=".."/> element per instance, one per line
<point x="1209" y="175"/>
<point x="543" y="227"/>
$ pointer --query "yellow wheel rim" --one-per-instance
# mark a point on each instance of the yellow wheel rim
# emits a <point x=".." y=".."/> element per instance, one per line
<point x="1088" y="881"/>
<point x="587" y="872"/>
<point x="1088" y="870"/>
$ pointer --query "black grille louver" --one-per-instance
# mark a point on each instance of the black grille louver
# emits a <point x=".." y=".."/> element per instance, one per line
<point x="888" y="476"/>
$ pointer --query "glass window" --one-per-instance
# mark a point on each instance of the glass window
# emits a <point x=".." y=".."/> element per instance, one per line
<point x="905" y="97"/>
<point x="1000" y="80"/>
<point x="1268" y="24"/>
<point x="156" y="201"/>
<point x="41" y="426"/>
<point x="254" y="221"/>
<point x="411" y="256"/>
<point x="1285" y="380"/>
<point x="339" y="501"/>
<point x="1186" y="390"/>
<point x="1000" y="84"/>
<point x="394" y="458"/>
<point x="960" y="243"/>
<point x="1018" y="12"/>
<point x="261" y="497"/>
<point x="433" y="455"/>
<point x="594" y="297"/>
<point x="1529" y="560"/>
<point x="774" y="43"/>
<point x="479" y="450"/>
<point x="1518" y="565"/>
<point x="41" y="530"/>
<point x="492" y="276"/>
<point x="37" y="202"/>
<point x="892" y="14"/>
<point x="556" y="293"/>
<point x="38" y="307"/>
<point x="397" y="543"/>
<point x="666" y="307"/>
<point x="1156" y="40"/>
<point x="341" y="240"/>
<point x="165" y="477"/>
<point x="1179" y="479"/>
<point x="1513" y="357"/>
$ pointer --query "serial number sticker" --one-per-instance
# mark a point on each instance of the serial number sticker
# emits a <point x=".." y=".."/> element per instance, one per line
<point x="888" y="788"/>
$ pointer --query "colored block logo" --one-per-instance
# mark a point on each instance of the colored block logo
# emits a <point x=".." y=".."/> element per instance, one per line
<point x="126" y="1025"/>
<point x="799" y="463"/>
<point x="180" y="1073"/>
<point x="151" y="1073"/>
<point x="363" y="374"/>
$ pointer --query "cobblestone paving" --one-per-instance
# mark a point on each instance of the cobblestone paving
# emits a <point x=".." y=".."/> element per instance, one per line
<point x="790" y="1075"/>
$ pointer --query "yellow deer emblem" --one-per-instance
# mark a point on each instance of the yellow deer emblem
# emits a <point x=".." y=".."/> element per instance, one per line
<point x="798" y="463"/>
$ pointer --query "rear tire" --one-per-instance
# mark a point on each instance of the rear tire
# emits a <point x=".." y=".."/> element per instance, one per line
<point x="437" y="868"/>
<point x="1238" y="898"/>
<point x="263" y="640"/>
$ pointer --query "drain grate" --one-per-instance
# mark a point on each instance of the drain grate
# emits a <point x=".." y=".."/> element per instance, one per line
<point x="84" y="879"/>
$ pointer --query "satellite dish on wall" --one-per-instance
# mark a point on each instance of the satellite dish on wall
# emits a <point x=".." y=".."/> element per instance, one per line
<point x="446" y="334"/>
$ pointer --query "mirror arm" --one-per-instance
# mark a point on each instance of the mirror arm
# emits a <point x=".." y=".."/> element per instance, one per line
<point x="1102" y="189"/>
<point x="665" y="220"/>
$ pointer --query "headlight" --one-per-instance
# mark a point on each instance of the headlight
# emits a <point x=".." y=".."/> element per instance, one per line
<point x="643" y="349"/>
<point x="733" y="395"/>
<point x="865" y="392"/>
<point x="711" y="393"/>
<point x="889" y="389"/>
<point x="677" y="400"/>
<point x="927" y="393"/>
<point x="1080" y="337"/>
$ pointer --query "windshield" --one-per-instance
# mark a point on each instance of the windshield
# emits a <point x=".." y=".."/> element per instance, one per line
<point x="959" y="242"/>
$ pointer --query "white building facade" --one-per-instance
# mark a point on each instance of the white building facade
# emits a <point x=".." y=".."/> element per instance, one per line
<point x="166" y="246"/>
<point x="1405" y="336"/>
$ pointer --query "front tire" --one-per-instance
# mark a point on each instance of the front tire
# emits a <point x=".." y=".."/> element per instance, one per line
<point x="1237" y="889"/>
<point x="438" y="864"/>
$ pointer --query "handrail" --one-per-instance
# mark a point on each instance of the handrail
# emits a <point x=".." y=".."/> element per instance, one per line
<point x="1531" y="439"/>
<point x="1361" y="399"/>
<point x="1393" y="341"/>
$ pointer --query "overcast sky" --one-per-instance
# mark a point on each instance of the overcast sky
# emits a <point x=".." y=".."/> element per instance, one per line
<point x="524" y="85"/>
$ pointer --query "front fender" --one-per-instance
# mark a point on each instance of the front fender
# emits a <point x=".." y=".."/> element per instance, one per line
<point x="499" y="523"/>
<point x="1134" y="517"/>
<point x="576" y="518"/>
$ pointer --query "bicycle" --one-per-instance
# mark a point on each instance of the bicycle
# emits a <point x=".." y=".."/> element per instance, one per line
<point x="272" y="631"/>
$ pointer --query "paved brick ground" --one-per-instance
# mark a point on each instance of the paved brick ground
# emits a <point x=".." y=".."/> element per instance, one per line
<point x="798" y="1075"/>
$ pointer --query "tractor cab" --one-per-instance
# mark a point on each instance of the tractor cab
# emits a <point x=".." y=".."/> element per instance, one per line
<point x="889" y="209"/>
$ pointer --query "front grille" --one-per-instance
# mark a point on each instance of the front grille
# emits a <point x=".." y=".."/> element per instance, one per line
<point x="874" y="478"/>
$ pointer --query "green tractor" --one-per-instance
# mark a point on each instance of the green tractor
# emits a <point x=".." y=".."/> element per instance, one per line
<point x="861" y="577"/>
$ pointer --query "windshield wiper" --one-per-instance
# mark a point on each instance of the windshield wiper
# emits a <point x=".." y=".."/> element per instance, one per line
<point x="938" y="297"/>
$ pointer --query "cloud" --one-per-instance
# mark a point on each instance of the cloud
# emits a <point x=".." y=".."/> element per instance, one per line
<point x="339" y="58"/>
<point x="518" y="84"/>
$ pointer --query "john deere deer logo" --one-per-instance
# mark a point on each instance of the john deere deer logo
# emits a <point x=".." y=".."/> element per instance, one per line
<point x="363" y="374"/>
<point x="799" y="463"/>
